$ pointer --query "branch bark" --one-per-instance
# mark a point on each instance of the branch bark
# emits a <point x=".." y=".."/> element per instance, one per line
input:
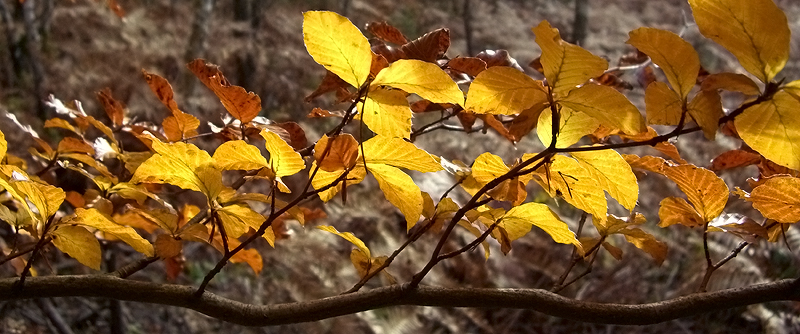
<point x="107" y="286"/>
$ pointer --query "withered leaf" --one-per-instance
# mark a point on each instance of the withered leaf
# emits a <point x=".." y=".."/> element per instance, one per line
<point x="492" y="122"/>
<point x="467" y="119"/>
<point x="525" y="121"/>
<point x="498" y="58"/>
<point x="114" y="109"/>
<point x="322" y="113"/>
<point x="390" y="53"/>
<point x="387" y="33"/>
<point x="471" y="66"/>
<point x="428" y="106"/>
<point x="162" y="89"/>
<point x="734" y="159"/>
<point x="240" y="103"/>
<point x="429" y="47"/>
<point x="330" y="82"/>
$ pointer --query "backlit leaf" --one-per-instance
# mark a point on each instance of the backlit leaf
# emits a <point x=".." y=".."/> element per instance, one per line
<point x="180" y="126"/>
<point x="399" y="153"/>
<point x="675" y="56"/>
<point x="664" y="106"/>
<point x="734" y="159"/>
<point x="575" y="184"/>
<point x="347" y="236"/>
<point x="182" y="165"/>
<point x="755" y="31"/>
<point x="95" y="219"/>
<point x="706" y="110"/>
<point x="78" y="243"/>
<point x="648" y="243"/>
<point x="674" y="210"/>
<point x="733" y="82"/>
<point x="334" y="42"/>
<point x="240" y="103"/>
<point x="518" y="221"/>
<point x="424" y="79"/>
<point x="323" y="178"/>
<point x="565" y="65"/>
<point x="615" y="176"/>
<point x="399" y="190"/>
<point x="504" y="90"/>
<point x="778" y="198"/>
<point x="573" y="126"/>
<point x="705" y="190"/>
<point x="342" y="153"/>
<point x="607" y="105"/>
<point x="772" y="128"/>
<point x="166" y="246"/>
<point x="114" y="109"/>
<point x="46" y="198"/>
<point x="386" y="113"/>
<point x="236" y="219"/>
<point x="238" y="155"/>
<point x="283" y="160"/>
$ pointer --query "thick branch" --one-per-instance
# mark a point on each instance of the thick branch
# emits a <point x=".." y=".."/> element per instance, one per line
<point x="264" y="315"/>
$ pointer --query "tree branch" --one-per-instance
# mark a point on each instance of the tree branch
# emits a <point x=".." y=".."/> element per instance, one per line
<point x="531" y="299"/>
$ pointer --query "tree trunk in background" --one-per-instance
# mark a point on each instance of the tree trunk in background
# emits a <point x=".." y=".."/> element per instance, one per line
<point x="243" y="10"/>
<point x="34" y="58"/>
<point x="10" y="63"/>
<point x="467" y="17"/>
<point x="197" y="41"/>
<point x="581" y="23"/>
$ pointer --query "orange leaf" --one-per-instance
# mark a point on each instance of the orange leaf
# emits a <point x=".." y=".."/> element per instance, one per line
<point x="469" y="65"/>
<point x="241" y="104"/>
<point x="114" y="108"/>
<point x="341" y="154"/>
<point x="387" y="33"/>
<point x="162" y="89"/>
<point x="734" y="159"/>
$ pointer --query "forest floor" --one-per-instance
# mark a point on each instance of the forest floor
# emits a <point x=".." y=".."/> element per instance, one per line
<point x="91" y="48"/>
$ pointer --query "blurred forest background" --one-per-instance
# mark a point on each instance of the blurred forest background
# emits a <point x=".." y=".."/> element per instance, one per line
<point x="75" y="48"/>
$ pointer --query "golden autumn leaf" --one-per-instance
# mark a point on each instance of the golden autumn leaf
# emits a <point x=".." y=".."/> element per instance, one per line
<point x="386" y="112"/>
<point x="239" y="155"/>
<point x="664" y="106"/>
<point x="166" y="246"/>
<point x="74" y="145"/>
<point x="518" y="221"/>
<point x="772" y="128"/>
<point x="283" y="160"/>
<point x="182" y="165"/>
<point x="607" y="105"/>
<point x="399" y="153"/>
<point x="334" y="42"/>
<point x="674" y="210"/>
<point x="162" y="89"/>
<point x="3" y="146"/>
<point x="323" y="178"/>
<point x="675" y="56"/>
<point x="733" y="82"/>
<point x="400" y="190"/>
<point x="488" y="167"/>
<point x="418" y="77"/>
<point x="565" y="65"/>
<point x="94" y="219"/>
<point x="648" y="243"/>
<point x="79" y="243"/>
<point x="778" y="198"/>
<point x="240" y="103"/>
<point x="706" y="109"/>
<point x="503" y="90"/>
<point x="342" y="153"/>
<point x="180" y="126"/>
<point x="114" y="109"/>
<point x="609" y="169"/>
<point x="755" y="31"/>
<point x="60" y="123"/>
<point x="237" y="218"/>
<point x="523" y="123"/>
<point x="566" y="177"/>
<point x="573" y="126"/>
<point x="349" y="237"/>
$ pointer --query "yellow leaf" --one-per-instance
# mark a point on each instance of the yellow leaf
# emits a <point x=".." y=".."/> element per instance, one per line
<point x="399" y="190"/>
<point x="706" y="110"/>
<point x="573" y="126"/>
<point x="612" y="173"/>
<point x="733" y="82"/>
<point x="283" y="160"/>
<point x="778" y="198"/>
<point x="78" y="243"/>
<point x="422" y="78"/>
<point x="94" y="219"/>
<point x="793" y="88"/>
<point x="238" y="155"/>
<point x="488" y="167"/>
<point x="236" y="219"/>
<point x="565" y="65"/>
<point x="386" y="113"/>
<point x="342" y="154"/>
<point x="704" y="189"/>
<point x="323" y="178"/>
<point x="349" y="237"/>
<point x="575" y="184"/>
<point x="674" y="210"/>
<point x="607" y="105"/>
<point x="180" y="126"/>
<point x="648" y="243"/>
<point x="477" y="233"/>
<point x="772" y="128"/>
<point x="664" y="106"/>
<point x="3" y="146"/>
<point x="182" y="165"/>
<point x="518" y="221"/>
<point x="399" y="153"/>
<point x="46" y="198"/>
<point x="755" y="31"/>
<point x="445" y="210"/>
<point x="676" y="57"/>
<point x="503" y="90"/>
<point x="166" y="246"/>
<point x="60" y="123"/>
<point x="334" y="42"/>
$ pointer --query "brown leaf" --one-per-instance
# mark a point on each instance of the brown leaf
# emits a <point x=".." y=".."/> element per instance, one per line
<point x="768" y="168"/>
<point x="162" y="89"/>
<point x="330" y="83"/>
<point x="734" y="159"/>
<point x="525" y="121"/>
<point x="429" y="47"/>
<point x="494" y="123"/>
<point x="646" y="76"/>
<point x="116" y="8"/>
<point x="342" y="152"/>
<point x="536" y="64"/>
<point x="166" y="246"/>
<point x="469" y="65"/>
<point x="295" y="135"/>
<point x="240" y="103"/>
<point x="612" y="79"/>
<point x="498" y="58"/>
<point x="114" y="109"/>
<point x="173" y="266"/>
<point x="467" y="119"/>
<point x="387" y="33"/>
<point x="180" y="126"/>
<point x="671" y="151"/>
<point x="379" y="62"/>
<point x="322" y="113"/>
<point x="74" y="145"/>
<point x="632" y="58"/>
<point x="422" y="106"/>
<point x="390" y="53"/>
